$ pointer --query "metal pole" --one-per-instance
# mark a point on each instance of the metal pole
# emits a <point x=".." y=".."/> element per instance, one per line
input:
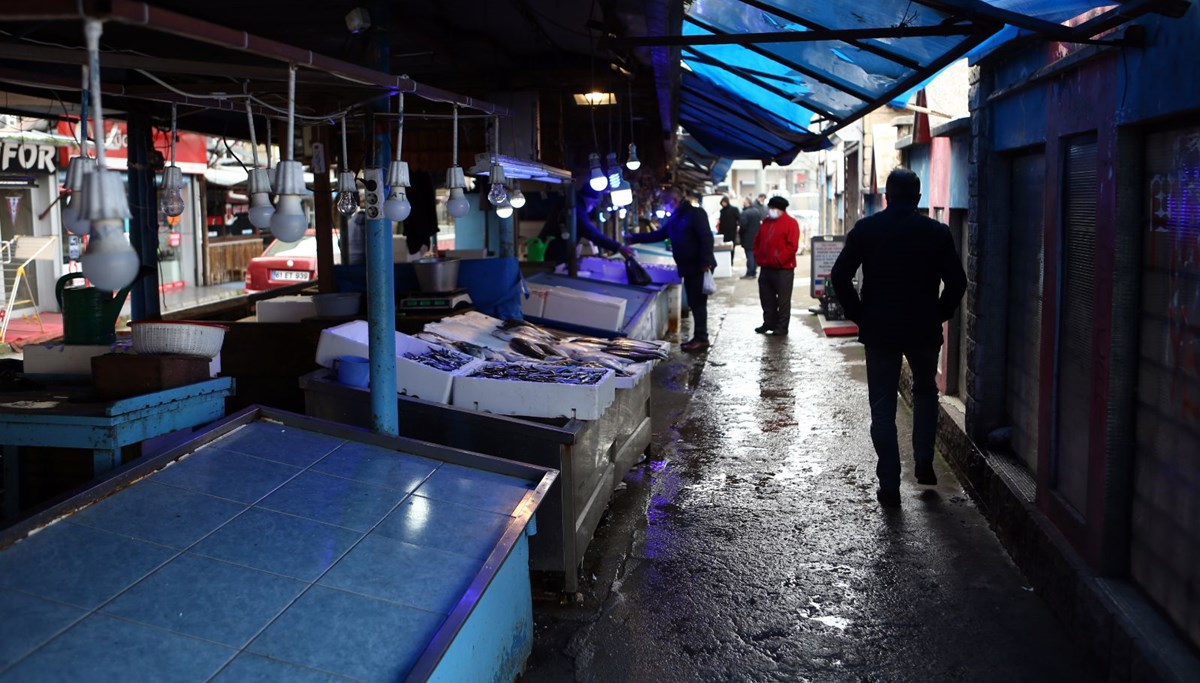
<point x="143" y="224"/>
<point x="381" y="294"/>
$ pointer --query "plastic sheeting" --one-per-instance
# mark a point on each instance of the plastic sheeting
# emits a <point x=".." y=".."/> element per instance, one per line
<point x="760" y="100"/>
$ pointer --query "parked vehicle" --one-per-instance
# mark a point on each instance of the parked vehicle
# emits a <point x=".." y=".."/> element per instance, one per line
<point x="286" y="263"/>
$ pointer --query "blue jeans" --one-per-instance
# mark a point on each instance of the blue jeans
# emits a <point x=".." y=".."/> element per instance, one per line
<point x="883" y="382"/>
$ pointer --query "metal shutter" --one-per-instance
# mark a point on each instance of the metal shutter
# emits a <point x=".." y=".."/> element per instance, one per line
<point x="1165" y="534"/>
<point x="1076" y="304"/>
<point x="1025" y="262"/>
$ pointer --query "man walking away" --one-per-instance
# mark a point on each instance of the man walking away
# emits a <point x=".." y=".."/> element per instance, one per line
<point x="751" y="219"/>
<point x="692" y="249"/>
<point x="727" y="225"/>
<point x="905" y="257"/>
<point x="775" y="249"/>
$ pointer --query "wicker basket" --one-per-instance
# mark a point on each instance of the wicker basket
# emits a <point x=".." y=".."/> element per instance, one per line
<point x="177" y="337"/>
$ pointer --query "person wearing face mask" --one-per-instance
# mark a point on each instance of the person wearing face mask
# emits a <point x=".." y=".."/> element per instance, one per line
<point x="775" y="248"/>
<point x="692" y="249"/>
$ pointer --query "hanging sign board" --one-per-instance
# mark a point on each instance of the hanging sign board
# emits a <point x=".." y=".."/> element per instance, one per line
<point x="26" y="157"/>
<point x="824" y="252"/>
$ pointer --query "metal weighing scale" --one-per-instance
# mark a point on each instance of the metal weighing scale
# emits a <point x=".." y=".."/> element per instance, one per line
<point x="419" y="302"/>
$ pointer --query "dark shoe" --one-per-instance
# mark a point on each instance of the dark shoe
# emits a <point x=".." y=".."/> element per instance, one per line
<point x="762" y="329"/>
<point x="888" y="498"/>
<point x="748" y="276"/>
<point x="694" y="345"/>
<point x="926" y="476"/>
<point x="777" y="332"/>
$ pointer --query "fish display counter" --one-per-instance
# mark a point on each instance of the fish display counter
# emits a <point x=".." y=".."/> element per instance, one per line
<point x="578" y="404"/>
<point x="279" y="547"/>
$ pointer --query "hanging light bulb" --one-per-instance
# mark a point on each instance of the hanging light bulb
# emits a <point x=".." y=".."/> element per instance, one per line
<point x="71" y="212"/>
<point x="505" y="210"/>
<point x="261" y="210"/>
<point x="498" y="194"/>
<point x="397" y="207"/>
<point x="623" y="212"/>
<point x="458" y="206"/>
<point x="632" y="162"/>
<point x="622" y="194"/>
<point x="347" y="202"/>
<point x="172" y="180"/>
<point x="172" y="189"/>
<point x="660" y="213"/>
<point x="110" y="261"/>
<point x="517" y="199"/>
<point x="598" y="181"/>
<point x="289" y="221"/>
<point x="614" y="171"/>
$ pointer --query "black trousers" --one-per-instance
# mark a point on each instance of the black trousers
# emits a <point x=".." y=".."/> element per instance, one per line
<point x="775" y="294"/>
<point x="693" y="286"/>
<point x="883" y="382"/>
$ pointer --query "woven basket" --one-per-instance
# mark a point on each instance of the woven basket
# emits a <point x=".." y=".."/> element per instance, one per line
<point x="177" y="337"/>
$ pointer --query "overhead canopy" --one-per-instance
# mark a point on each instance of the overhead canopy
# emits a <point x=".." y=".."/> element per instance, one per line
<point x="766" y="79"/>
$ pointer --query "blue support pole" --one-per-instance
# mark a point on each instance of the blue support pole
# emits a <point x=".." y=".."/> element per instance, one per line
<point x="381" y="309"/>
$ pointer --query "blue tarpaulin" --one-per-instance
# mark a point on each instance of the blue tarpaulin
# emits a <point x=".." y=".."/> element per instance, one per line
<point x="753" y="86"/>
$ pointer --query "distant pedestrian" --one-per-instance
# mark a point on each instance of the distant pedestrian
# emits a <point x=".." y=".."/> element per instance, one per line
<point x="692" y="248"/>
<point x="905" y="258"/>
<point x="727" y="225"/>
<point x="752" y="217"/>
<point x="775" y="248"/>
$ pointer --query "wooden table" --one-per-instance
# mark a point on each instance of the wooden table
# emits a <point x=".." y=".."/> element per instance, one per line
<point x="64" y="417"/>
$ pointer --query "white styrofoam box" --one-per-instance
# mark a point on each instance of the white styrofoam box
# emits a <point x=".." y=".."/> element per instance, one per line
<point x="76" y="359"/>
<point x="285" y="309"/>
<point x="63" y="359"/>
<point x="536" y="303"/>
<point x="535" y="399"/>
<point x="585" y="308"/>
<point x="412" y="378"/>
<point x="724" y="268"/>
<point x="637" y="371"/>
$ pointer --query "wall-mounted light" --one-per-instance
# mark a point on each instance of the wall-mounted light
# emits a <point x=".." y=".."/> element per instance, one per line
<point x="595" y="99"/>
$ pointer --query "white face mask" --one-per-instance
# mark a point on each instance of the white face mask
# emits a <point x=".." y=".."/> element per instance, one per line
<point x="774" y="213"/>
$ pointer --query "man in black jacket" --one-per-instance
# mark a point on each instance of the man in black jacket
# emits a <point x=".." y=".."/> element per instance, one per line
<point x="692" y="249"/>
<point x="905" y="257"/>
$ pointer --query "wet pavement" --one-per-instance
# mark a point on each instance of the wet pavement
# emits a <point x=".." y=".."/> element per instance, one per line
<point x="750" y="547"/>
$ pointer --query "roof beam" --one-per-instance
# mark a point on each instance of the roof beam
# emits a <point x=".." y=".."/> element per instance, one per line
<point x="823" y="78"/>
<point x="873" y="48"/>
<point x="844" y="36"/>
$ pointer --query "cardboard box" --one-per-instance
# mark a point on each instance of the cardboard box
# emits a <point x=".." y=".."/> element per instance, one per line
<point x="412" y="378"/>
<point x="535" y="399"/>
<point x="121" y="375"/>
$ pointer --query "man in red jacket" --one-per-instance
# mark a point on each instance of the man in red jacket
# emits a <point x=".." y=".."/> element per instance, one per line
<point x="775" y="248"/>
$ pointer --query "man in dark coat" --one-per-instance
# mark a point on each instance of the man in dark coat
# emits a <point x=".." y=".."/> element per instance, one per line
<point x="692" y="249"/>
<point x="749" y="222"/>
<point x="905" y="258"/>
<point x="727" y="224"/>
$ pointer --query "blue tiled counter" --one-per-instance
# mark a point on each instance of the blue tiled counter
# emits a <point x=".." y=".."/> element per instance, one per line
<point x="277" y="547"/>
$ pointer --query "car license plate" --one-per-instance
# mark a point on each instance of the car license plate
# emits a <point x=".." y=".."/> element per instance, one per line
<point x="299" y="275"/>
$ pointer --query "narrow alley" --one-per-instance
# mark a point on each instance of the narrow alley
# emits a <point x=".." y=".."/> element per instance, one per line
<point x="750" y="547"/>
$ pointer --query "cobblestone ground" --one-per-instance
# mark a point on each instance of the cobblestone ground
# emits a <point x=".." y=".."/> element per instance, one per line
<point x="750" y="546"/>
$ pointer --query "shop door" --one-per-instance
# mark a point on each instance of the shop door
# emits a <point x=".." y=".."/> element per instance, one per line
<point x="1166" y="526"/>
<point x="1072" y="433"/>
<point x="1025" y="263"/>
<point x="16" y="220"/>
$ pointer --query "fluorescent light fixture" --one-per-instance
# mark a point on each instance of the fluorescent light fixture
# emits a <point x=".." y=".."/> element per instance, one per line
<point x="518" y="169"/>
<point x="595" y="98"/>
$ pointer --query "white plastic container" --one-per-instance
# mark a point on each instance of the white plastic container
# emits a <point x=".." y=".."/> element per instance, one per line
<point x="535" y="305"/>
<point x="585" y="308"/>
<point x="285" y="309"/>
<point x="412" y="378"/>
<point x="535" y="399"/>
